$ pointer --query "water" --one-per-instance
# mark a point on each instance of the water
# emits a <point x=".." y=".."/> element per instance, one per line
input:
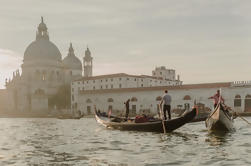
<point x="83" y="142"/>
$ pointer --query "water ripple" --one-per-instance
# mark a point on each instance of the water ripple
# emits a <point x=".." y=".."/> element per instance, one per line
<point x="83" y="142"/>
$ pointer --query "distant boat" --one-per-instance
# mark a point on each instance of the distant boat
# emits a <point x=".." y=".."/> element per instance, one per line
<point x="220" y="120"/>
<point x="149" y="126"/>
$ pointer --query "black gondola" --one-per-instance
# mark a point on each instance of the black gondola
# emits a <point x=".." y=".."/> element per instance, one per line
<point x="220" y="120"/>
<point x="150" y="126"/>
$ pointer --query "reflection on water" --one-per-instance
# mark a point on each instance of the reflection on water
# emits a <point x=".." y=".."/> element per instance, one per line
<point x="83" y="142"/>
<point x="218" y="138"/>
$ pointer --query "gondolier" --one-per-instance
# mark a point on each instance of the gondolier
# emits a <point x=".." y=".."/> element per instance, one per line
<point x="127" y="108"/>
<point x="166" y="99"/>
<point x="216" y="98"/>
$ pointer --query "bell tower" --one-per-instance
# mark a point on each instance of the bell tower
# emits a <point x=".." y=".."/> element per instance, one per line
<point x="87" y="63"/>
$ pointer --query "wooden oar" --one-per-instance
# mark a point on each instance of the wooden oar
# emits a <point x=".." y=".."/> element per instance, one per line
<point x="161" y="115"/>
<point x="243" y="118"/>
<point x="229" y="108"/>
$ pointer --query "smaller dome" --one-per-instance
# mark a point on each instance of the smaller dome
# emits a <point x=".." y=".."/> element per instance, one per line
<point x="71" y="61"/>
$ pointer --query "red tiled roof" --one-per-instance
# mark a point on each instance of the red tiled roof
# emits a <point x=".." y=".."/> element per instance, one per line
<point x="179" y="87"/>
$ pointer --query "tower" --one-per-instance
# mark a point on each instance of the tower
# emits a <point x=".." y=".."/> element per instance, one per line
<point x="87" y="63"/>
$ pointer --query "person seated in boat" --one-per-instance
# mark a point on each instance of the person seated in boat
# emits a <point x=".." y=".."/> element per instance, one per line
<point x="216" y="98"/>
<point x="99" y="111"/>
<point x="127" y="108"/>
<point x="166" y="99"/>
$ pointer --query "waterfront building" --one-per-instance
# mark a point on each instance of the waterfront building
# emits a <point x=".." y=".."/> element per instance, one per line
<point x="145" y="100"/>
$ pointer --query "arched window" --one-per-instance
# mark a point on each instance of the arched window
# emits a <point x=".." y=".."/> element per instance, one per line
<point x="88" y="101"/>
<point x="134" y="99"/>
<point x="187" y="97"/>
<point x="158" y="98"/>
<point x="237" y="101"/>
<point x="248" y="103"/>
<point x="248" y="97"/>
<point x="109" y="100"/>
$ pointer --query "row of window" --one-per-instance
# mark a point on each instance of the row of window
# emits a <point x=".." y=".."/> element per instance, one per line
<point x="86" y="82"/>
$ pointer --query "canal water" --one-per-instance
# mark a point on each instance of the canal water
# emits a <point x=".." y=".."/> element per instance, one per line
<point x="83" y="142"/>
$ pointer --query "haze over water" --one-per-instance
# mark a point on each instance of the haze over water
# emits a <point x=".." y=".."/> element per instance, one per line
<point x="84" y="142"/>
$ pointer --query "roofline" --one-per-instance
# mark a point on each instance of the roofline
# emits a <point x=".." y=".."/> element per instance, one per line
<point x="116" y="75"/>
<point x="178" y="87"/>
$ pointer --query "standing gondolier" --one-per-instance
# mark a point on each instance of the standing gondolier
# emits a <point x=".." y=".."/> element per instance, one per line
<point x="127" y="108"/>
<point x="166" y="99"/>
<point x="217" y="98"/>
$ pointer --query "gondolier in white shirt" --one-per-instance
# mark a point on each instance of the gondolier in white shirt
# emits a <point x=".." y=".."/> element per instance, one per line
<point x="166" y="99"/>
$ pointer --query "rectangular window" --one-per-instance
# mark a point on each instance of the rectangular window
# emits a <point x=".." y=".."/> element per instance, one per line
<point x="106" y="86"/>
<point x="119" y="79"/>
<point x="237" y="102"/>
<point x="127" y="78"/>
<point x="88" y="109"/>
<point x="120" y="86"/>
<point x="133" y="109"/>
<point x="101" y="87"/>
<point x="142" y="85"/>
<point x="111" y="86"/>
<point x="94" y="88"/>
<point x="72" y="97"/>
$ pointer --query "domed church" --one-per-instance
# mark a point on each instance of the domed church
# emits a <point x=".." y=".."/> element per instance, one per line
<point x="43" y="75"/>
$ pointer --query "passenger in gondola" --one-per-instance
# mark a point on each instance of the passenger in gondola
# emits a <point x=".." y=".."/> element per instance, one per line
<point x="166" y="99"/>
<point x="127" y="108"/>
<point x="216" y="98"/>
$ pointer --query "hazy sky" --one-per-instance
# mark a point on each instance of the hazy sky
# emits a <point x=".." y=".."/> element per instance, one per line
<point x="203" y="40"/>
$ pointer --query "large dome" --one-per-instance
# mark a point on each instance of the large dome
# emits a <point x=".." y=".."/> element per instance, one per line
<point x="71" y="61"/>
<point x="42" y="49"/>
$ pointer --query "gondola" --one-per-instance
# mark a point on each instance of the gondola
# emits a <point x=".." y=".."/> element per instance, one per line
<point x="220" y="120"/>
<point x="154" y="125"/>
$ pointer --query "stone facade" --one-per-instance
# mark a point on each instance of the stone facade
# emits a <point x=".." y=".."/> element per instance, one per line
<point x="146" y="99"/>
<point x="43" y="73"/>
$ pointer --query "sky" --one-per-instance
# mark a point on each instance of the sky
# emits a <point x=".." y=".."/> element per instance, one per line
<point x="204" y="41"/>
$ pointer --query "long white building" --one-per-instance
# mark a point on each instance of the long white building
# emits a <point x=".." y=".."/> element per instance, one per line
<point x="145" y="99"/>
